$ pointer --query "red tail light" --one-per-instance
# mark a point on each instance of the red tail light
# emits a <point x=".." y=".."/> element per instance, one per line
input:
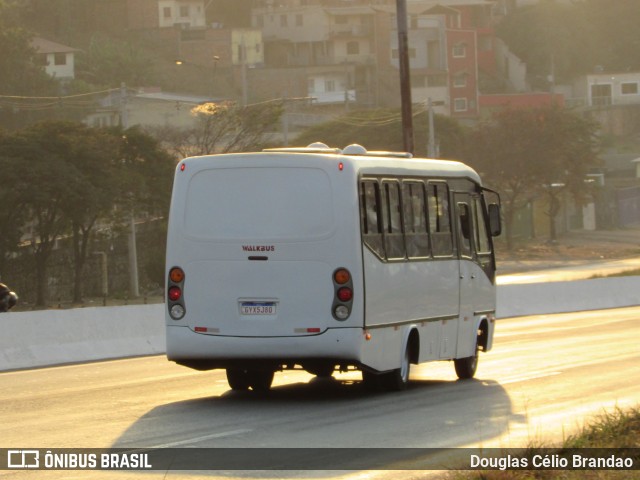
<point x="174" y="294"/>
<point x="345" y="294"/>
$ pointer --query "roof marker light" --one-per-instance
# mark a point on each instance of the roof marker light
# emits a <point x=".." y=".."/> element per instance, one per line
<point x="182" y="167"/>
<point x="341" y="166"/>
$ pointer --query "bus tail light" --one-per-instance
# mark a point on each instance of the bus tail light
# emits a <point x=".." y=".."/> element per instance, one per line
<point x="175" y="293"/>
<point x="345" y="294"/>
<point x="341" y="276"/>
<point x="342" y="294"/>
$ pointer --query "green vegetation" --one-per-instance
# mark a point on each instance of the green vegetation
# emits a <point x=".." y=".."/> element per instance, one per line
<point x="532" y="152"/>
<point x="61" y="178"/>
<point x="574" y="38"/>
<point x="625" y="273"/>
<point x="616" y="429"/>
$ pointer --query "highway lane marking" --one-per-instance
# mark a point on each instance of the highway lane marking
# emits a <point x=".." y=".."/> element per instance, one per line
<point x="204" y="437"/>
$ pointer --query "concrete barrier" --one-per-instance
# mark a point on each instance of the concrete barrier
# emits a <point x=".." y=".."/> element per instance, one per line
<point x="54" y="337"/>
<point x="517" y="300"/>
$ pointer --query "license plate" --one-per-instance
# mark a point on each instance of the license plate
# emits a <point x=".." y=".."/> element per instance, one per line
<point x="258" y="308"/>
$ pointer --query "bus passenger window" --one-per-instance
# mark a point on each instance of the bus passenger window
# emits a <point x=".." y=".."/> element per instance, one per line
<point x="370" y="216"/>
<point x="439" y="219"/>
<point x="391" y="221"/>
<point x="415" y="220"/>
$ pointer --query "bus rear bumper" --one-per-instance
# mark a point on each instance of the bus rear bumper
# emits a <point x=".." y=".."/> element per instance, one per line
<point x="204" y="351"/>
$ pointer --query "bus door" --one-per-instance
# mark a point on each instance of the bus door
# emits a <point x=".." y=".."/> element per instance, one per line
<point x="468" y="270"/>
<point x="477" y="268"/>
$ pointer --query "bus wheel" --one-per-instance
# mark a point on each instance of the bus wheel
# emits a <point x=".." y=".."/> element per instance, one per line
<point x="260" y="380"/>
<point x="238" y="378"/>
<point x="466" y="367"/>
<point x="398" y="379"/>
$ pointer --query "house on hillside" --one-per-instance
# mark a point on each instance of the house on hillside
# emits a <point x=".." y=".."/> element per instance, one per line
<point x="329" y="48"/>
<point x="58" y="59"/>
<point x="604" y="89"/>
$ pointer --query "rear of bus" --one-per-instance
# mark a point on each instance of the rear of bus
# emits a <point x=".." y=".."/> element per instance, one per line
<point x="263" y="253"/>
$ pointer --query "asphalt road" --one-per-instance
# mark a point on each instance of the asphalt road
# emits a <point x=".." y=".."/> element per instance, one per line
<point x="545" y="376"/>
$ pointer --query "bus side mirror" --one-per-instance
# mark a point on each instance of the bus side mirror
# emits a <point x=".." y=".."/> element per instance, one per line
<point x="495" y="225"/>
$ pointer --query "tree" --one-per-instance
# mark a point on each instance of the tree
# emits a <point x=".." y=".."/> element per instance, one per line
<point x="112" y="62"/>
<point x="13" y="213"/>
<point x="573" y="39"/>
<point x="569" y="151"/>
<point x="92" y="193"/>
<point x="502" y="155"/>
<point x="527" y="152"/>
<point x="77" y="196"/>
<point x="144" y="171"/>
<point x="21" y="74"/>
<point x="62" y="177"/>
<point x="40" y="190"/>
<point x="145" y="177"/>
<point x="613" y="30"/>
<point x="550" y="38"/>
<point x="223" y="127"/>
<point x="20" y="70"/>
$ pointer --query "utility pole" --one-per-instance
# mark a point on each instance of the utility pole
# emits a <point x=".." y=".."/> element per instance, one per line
<point x="133" y="254"/>
<point x="405" y="79"/>
<point x="431" y="146"/>
<point x="243" y="72"/>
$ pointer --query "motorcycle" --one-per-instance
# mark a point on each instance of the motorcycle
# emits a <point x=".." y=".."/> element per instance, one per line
<point x="8" y="299"/>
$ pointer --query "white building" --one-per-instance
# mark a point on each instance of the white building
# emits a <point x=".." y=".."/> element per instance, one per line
<point x="181" y="13"/>
<point x="58" y="59"/>
<point x="602" y="89"/>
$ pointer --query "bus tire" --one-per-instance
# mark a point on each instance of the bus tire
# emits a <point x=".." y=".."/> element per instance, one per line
<point x="260" y="380"/>
<point x="238" y="378"/>
<point x="466" y="367"/>
<point x="398" y="379"/>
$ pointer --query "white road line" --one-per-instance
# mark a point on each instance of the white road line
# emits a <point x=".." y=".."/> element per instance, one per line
<point x="204" y="437"/>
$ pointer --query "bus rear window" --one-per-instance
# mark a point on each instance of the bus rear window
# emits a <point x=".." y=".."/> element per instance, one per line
<point x="262" y="203"/>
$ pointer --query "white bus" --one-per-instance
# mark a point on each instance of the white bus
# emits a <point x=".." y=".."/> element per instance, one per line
<point x="327" y="259"/>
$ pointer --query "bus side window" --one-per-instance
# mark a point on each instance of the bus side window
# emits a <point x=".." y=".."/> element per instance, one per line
<point x="439" y="219"/>
<point x="392" y="220"/>
<point x="370" y="216"/>
<point x="415" y="220"/>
